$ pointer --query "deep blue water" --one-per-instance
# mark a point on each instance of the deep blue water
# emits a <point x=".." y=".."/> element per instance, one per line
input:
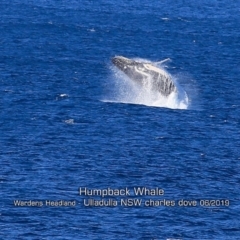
<point x="59" y="134"/>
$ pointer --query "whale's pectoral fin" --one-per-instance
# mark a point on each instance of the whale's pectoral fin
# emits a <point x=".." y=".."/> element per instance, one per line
<point x="163" y="61"/>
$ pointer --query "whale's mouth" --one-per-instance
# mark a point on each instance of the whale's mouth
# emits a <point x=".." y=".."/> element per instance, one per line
<point x="119" y="59"/>
<point x="122" y="63"/>
<point x="128" y="66"/>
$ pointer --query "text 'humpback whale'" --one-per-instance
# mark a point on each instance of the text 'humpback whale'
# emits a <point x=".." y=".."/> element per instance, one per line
<point x="142" y="73"/>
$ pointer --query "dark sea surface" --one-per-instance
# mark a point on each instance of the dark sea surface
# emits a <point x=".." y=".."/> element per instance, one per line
<point x="66" y="125"/>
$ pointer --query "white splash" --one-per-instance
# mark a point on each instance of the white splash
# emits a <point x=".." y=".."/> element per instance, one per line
<point x="126" y="91"/>
<point x="69" y="121"/>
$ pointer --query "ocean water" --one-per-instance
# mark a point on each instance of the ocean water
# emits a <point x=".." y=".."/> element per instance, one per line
<point x="69" y="120"/>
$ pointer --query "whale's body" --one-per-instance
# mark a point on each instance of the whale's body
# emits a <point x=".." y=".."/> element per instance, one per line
<point x="142" y="73"/>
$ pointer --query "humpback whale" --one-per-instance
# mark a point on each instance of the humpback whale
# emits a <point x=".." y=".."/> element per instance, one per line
<point x="146" y="73"/>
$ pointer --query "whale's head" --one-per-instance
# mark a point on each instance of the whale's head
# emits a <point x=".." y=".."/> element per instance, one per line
<point x="128" y="66"/>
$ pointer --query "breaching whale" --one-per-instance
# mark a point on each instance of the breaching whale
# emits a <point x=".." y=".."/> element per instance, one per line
<point x="142" y="73"/>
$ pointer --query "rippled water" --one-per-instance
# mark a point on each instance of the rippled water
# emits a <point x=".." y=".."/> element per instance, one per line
<point x="67" y="121"/>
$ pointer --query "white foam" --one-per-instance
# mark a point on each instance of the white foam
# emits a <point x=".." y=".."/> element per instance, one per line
<point x="165" y="19"/>
<point x="69" y="121"/>
<point x="63" y="95"/>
